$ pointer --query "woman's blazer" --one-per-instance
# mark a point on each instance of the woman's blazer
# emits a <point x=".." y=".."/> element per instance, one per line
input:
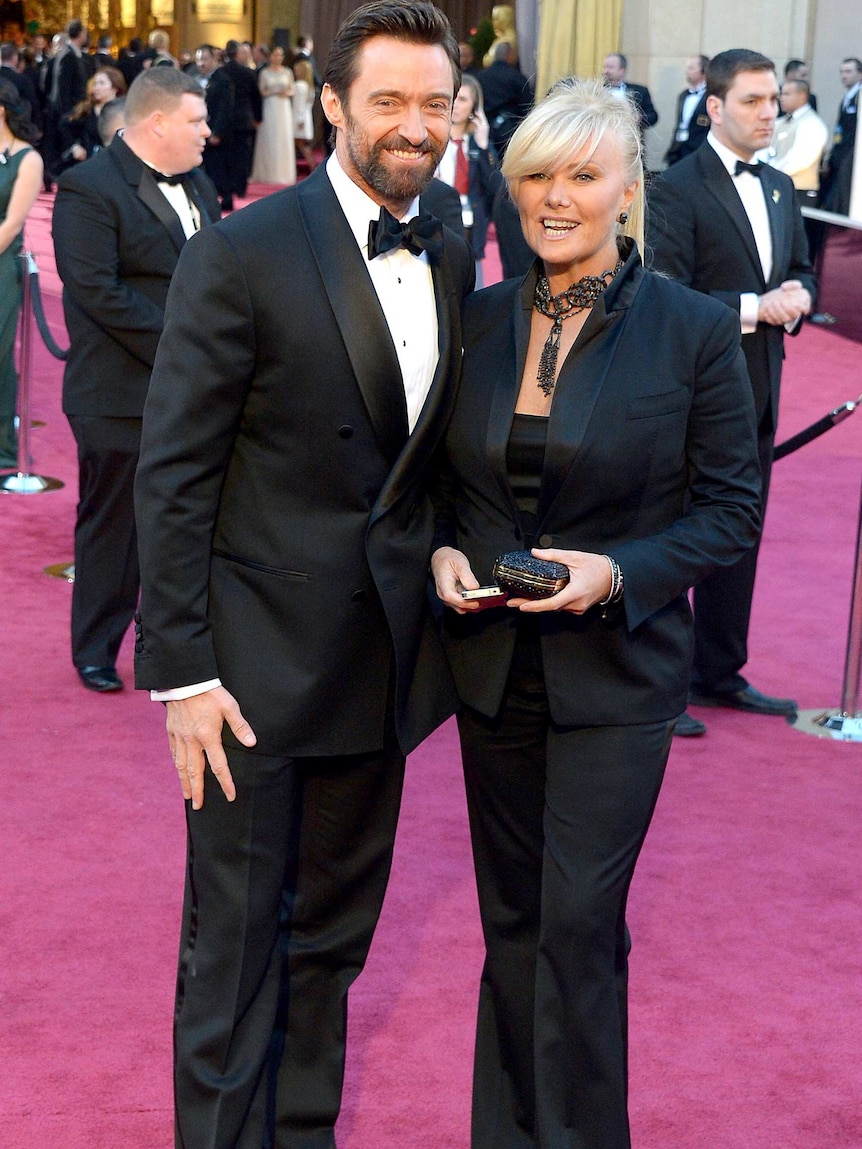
<point x="651" y="457"/>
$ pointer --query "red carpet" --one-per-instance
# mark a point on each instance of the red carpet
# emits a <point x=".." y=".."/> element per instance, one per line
<point x="746" y="1003"/>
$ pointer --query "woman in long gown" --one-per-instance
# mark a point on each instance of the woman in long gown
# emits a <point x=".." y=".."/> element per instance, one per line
<point x="274" y="149"/>
<point x="303" y="102"/>
<point x="20" y="181"/>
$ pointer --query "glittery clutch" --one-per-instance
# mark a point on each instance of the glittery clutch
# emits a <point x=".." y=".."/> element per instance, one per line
<point x="524" y="576"/>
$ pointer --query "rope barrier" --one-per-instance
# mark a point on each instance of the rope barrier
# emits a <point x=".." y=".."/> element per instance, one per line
<point x="55" y="349"/>
<point x="816" y="429"/>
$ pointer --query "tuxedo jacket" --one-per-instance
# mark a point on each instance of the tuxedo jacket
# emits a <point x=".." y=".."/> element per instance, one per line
<point x="116" y="241"/>
<point x="640" y="97"/>
<point x="650" y="457"/>
<point x="283" y="526"/>
<point x="698" y="233"/>
<point x="698" y="129"/>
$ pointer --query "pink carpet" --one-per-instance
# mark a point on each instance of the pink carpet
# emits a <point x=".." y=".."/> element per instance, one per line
<point x="746" y="1003"/>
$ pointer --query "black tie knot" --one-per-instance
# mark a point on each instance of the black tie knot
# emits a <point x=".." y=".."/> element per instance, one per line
<point x="174" y="181"/>
<point x="422" y="233"/>
<point x="753" y="169"/>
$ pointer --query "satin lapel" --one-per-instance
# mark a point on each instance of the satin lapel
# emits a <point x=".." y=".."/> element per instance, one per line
<point x="137" y="174"/>
<point x="359" y="317"/>
<point x="148" y="192"/>
<point x="507" y="386"/>
<point x="780" y="237"/>
<point x="578" y="387"/>
<point x="193" y="192"/>
<point x="434" y="416"/>
<point x="718" y="184"/>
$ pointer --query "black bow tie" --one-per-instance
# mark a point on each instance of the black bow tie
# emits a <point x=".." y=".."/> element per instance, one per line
<point x="174" y="181"/>
<point x="755" y="169"/>
<point x="422" y="233"/>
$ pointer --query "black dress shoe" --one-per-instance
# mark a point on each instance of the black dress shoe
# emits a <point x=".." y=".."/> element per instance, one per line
<point x="689" y="727"/>
<point x="100" y="678"/>
<point x="745" y="699"/>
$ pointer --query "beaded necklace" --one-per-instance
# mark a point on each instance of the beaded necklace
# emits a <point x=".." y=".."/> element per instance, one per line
<point x="577" y="298"/>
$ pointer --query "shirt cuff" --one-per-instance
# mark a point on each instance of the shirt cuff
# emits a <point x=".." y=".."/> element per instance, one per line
<point x="184" y="691"/>
<point x="749" y="302"/>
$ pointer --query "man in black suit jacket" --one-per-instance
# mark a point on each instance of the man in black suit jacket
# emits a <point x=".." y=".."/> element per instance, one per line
<point x="735" y="232"/>
<point x="118" y="232"/>
<point x="234" y="104"/>
<point x="614" y="69"/>
<point x="836" y="186"/>
<point x="506" y="94"/>
<point x="692" y="119"/>
<point x="301" y="388"/>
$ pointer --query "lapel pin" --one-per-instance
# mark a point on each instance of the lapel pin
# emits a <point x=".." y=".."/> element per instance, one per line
<point x="776" y="195"/>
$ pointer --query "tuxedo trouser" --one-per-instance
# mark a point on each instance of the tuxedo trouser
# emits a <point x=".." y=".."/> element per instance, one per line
<point x="107" y="579"/>
<point x="284" y="889"/>
<point x="558" y="816"/>
<point x="722" y="604"/>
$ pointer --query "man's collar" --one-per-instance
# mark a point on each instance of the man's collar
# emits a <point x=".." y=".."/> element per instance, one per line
<point x="725" y="154"/>
<point x="358" y="207"/>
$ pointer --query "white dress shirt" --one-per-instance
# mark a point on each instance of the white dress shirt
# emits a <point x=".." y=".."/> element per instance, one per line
<point x="692" y="99"/>
<point x="750" y="191"/>
<point x="405" y="289"/>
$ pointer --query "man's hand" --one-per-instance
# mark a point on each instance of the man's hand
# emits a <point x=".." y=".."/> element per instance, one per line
<point x="194" y="728"/>
<point x="784" y="304"/>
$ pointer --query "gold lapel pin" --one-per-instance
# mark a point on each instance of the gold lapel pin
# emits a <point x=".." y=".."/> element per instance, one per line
<point x="776" y="195"/>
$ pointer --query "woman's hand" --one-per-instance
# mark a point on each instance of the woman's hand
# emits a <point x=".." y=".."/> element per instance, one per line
<point x="481" y="129"/>
<point x="452" y="574"/>
<point x="589" y="583"/>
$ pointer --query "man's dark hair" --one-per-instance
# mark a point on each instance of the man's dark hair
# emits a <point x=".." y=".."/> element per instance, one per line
<point x="74" y="29"/>
<point x="206" y="48"/>
<point x="792" y="65"/>
<point x="135" y="44"/>
<point x="802" y="85"/>
<point x="104" y="42"/>
<point x="623" y="61"/>
<point x="230" y="49"/>
<point x="8" y="54"/>
<point x="704" y="63"/>
<point x="301" y="41"/>
<point x="853" y="60"/>
<point x="419" y="23"/>
<point x="723" y="69"/>
<point x="111" y="117"/>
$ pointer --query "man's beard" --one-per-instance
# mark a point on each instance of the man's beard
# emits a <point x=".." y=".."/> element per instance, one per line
<point x="399" y="186"/>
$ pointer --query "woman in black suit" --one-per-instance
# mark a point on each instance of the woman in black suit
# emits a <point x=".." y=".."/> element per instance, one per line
<point x="605" y="417"/>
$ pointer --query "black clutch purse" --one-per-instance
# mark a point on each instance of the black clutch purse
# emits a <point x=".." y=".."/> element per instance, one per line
<point x="520" y="574"/>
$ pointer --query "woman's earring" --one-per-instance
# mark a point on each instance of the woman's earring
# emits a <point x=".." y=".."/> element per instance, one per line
<point x="623" y="217"/>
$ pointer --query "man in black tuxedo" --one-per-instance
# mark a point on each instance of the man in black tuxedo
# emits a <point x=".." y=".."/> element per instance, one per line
<point x="692" y="118"/>
<point x="301" y="388"/>
<point x="614" y="69"/>
<point x="20" y="80"/>
<point x="119" y="227"/>
<point x="837" y="181"/>
<point x="234" y="104"/>
<point x="733" y="230"/>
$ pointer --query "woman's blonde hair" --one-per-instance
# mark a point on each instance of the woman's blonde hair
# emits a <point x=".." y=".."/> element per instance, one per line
<point x="570" y="122"/>
<point x="478" y="101"/>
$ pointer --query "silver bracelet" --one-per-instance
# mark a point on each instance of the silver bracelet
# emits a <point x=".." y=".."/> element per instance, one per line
<point x="617" y="584"/>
